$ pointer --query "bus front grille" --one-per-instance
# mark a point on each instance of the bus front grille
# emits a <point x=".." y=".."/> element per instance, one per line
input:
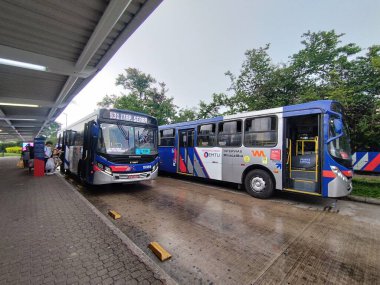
<point x="126" y="159"/>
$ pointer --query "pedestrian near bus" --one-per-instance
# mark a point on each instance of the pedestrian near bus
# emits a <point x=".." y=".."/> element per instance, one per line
<point x="25" y="154"/>
<point x="48" y="150"/>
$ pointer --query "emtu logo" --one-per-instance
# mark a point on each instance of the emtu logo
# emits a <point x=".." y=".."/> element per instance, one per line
<point x="258" y="153"/>
<point x="211" y="154"/>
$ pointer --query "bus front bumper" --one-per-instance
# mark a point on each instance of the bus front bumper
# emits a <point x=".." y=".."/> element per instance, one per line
<point x="101" y="177"/>
<point x="339" y="187"/>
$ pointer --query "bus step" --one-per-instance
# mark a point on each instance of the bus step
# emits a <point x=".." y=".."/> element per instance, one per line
<point x="304" y="185"/>
<point x="303" y="175"/>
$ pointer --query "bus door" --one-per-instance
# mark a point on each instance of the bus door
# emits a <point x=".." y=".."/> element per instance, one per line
<point x="90" y="138"/>
<point x="302" y="149"/>
<point x="68" y="138"/>
<point x="185" y="157"/>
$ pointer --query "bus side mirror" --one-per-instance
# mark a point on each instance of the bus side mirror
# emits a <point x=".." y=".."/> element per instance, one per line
<point x="338" y="126"/>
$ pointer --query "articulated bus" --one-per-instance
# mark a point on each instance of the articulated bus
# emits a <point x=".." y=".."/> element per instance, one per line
<point x="301" y="148"/>
<point x="111" y="146"/>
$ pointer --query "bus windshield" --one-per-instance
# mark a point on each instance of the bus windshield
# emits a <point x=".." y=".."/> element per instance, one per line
<point x="339" y="148"/>
<point x="127" y="140"/>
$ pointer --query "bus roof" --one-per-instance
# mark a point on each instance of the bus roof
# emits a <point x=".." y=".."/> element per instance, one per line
<point x="319" y="106"/>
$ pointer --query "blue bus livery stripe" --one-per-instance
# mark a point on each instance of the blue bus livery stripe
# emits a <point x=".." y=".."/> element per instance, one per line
<point x="191" y="124"/>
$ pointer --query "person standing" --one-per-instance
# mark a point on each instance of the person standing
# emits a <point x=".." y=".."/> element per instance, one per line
<point x="48" y="151"/>
<point x="31" y="158"/>
<point x="26" y="156"/>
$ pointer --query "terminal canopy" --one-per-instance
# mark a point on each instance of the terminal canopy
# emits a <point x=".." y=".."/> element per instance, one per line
<point x="51" y="49"/>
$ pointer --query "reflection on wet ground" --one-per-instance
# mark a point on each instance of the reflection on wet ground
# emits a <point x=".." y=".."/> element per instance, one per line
<point x="217" y="234"/>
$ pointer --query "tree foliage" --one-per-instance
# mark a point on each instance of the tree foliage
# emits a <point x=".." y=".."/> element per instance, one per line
<point x="51" y="132"/>
<point x="323" y="69"/>
<point x="145" y="95"/>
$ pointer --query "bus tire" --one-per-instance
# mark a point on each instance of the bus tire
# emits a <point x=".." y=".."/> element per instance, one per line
<point x="259" y="184"/>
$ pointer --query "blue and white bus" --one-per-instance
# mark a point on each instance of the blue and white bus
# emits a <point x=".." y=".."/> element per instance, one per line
<point x="111" y="146"/>
<point x="301" y="148"/>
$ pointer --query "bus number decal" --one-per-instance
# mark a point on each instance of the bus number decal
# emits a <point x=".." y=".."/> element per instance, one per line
<point x="128" y="117"/>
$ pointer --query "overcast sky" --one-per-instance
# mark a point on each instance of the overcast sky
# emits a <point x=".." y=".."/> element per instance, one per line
<point x="190" y="44"/>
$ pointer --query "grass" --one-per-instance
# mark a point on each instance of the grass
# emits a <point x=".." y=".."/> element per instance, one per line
<point x="9" y="154"/>
<point x="366" y="186"/>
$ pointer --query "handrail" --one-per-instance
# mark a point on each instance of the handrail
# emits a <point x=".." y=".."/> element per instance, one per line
<point x="316" y="149"/>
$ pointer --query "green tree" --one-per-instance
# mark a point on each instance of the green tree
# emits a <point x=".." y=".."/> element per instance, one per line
<point x="322" y="69"/>
<point x="186" y="115"/>
<point x="144" y="95"/>
<point x="51" y="132"/>
<point x="135" y="81"/>
<point x="213" y="109"/>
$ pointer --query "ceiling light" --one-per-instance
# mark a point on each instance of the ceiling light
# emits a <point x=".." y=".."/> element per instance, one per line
<point x="19" y="105"/>
<point x="17" y="119"/>
<point x="22" y="64"/>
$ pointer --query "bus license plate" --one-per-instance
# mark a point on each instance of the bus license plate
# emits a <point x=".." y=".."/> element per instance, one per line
<point x="133" y="176"/>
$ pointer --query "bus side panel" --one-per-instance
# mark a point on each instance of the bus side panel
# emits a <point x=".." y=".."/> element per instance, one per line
<point x="168" y="159"/>
<point x="236" y="160"/>
<point x="208" y="162"/>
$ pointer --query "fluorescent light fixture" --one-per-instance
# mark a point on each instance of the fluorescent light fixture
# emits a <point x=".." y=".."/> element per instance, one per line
<point x="4" y="134"/>
<point x="19" y="105"/>
<point x="22" y="64"/>
<point x="17" y="119"/>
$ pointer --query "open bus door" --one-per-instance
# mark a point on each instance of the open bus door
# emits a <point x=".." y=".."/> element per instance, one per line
<point x="302" y="148"/>
<point x="185" y="157"/>
<point x="68" y="137"/>
<point x="90" y="138"/>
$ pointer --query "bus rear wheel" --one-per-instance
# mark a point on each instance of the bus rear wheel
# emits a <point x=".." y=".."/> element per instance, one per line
<point x="259" y="184"/>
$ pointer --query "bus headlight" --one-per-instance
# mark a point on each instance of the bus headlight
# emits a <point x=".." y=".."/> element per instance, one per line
<point x="107" y="170"/>
<point x="339" y="173"/>
<point x="104" y="168"/>
<point x="154" y="168"/>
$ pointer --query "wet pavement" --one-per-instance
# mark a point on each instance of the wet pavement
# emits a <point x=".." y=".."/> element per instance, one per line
<point x="49" y="234"/>
<point x="219" y="235"/>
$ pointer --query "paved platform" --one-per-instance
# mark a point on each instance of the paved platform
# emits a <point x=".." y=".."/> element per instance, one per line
<point x="50" y="235"/>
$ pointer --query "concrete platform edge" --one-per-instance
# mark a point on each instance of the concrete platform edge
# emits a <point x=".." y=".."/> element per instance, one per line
<point x="361" y="199"/>
<point x="126" y="240"/>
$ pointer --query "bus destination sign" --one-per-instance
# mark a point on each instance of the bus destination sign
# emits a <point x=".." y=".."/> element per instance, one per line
<point x="126" y="117"/>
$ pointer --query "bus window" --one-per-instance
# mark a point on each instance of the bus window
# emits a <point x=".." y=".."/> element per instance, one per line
<point x="229" y="134"/>
<point x="261" y="132"/>
<point x="167" y="137"/>
<point x="78" y="139"/>
<point x="206" y="135"/>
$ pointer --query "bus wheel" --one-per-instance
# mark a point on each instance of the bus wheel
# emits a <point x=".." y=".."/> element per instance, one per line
<point x="259" y="184"/>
